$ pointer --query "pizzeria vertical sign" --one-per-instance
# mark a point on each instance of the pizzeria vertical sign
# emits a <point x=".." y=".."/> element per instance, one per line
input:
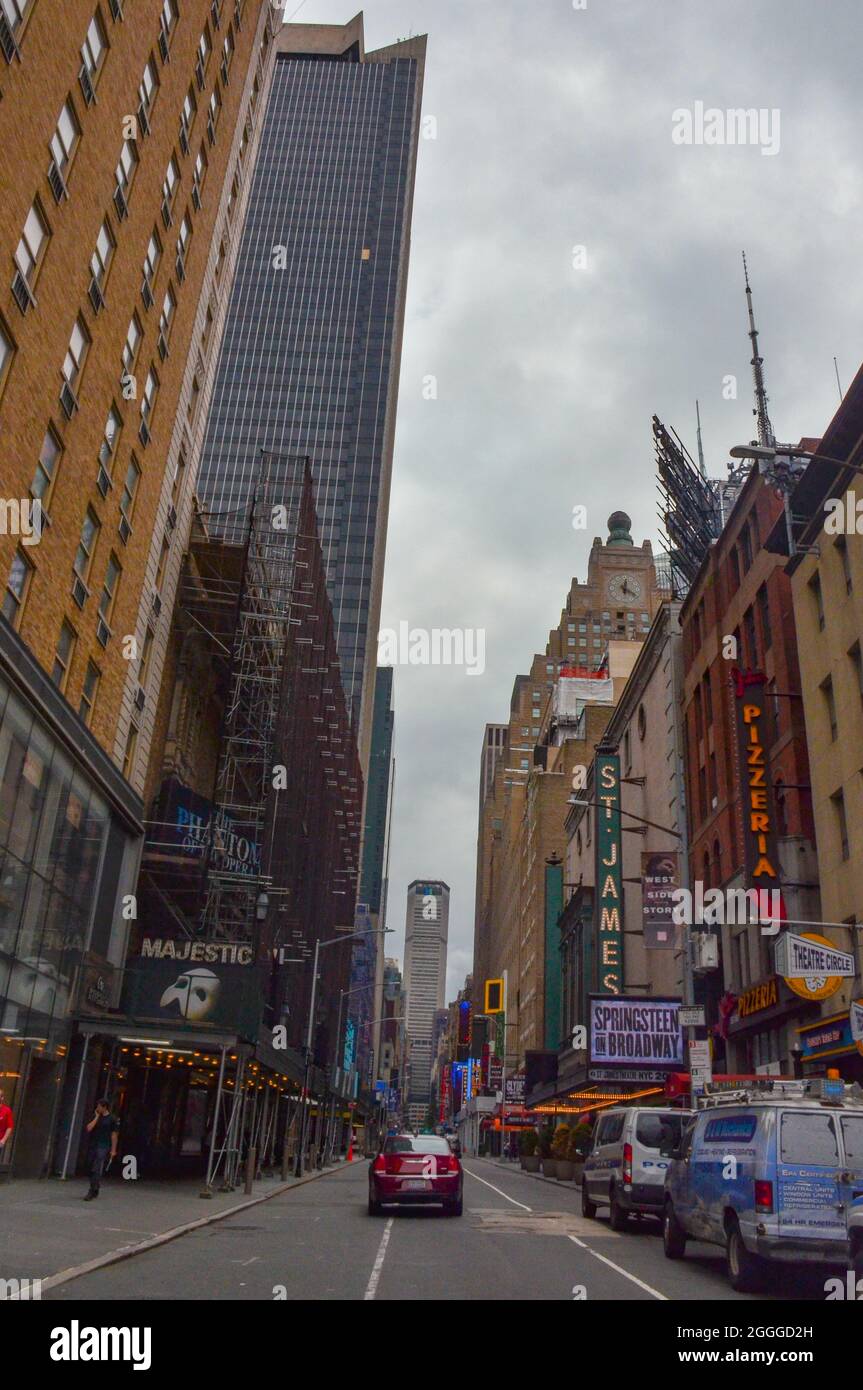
<point x="609" y="873"/>
<point x="761" y="857"/>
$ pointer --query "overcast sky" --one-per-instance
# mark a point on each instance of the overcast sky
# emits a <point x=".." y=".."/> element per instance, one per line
<point x="554" y="130"/>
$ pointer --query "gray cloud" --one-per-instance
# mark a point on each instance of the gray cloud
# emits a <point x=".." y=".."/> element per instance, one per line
<point x="554" y="129"/>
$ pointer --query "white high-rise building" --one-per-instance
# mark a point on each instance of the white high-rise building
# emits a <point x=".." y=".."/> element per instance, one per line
<point x="426" y="929"/>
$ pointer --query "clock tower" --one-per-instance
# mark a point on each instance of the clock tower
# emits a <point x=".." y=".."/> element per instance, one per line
<point x="617" y="602"/>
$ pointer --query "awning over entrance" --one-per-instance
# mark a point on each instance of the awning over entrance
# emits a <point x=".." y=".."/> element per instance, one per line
<point x="174" y="1035"/>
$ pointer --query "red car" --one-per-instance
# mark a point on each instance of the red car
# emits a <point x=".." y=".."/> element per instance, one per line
<point x="416" y="1170"/>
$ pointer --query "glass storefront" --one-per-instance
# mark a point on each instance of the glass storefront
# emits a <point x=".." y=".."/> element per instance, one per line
<point x="64" y="857"/>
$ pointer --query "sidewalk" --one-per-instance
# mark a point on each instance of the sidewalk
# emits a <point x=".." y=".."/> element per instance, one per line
<point x="46" y="1227"/>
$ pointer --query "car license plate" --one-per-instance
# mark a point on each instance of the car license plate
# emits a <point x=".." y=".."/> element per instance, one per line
<point x="416" y="1184"/>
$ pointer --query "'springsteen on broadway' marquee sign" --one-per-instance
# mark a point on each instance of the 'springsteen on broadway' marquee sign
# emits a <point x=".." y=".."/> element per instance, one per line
<point x="636" y="1031"/>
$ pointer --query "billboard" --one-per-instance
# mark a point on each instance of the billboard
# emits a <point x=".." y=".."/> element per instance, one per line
<point x="189" y="821"/>
<point x="215" y="984"/>
<point x="636" y="1032"/>
<point x="660" y="877"/>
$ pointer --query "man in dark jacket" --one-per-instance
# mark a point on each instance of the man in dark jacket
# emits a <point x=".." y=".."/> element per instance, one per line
<point x="105" y="1129"/>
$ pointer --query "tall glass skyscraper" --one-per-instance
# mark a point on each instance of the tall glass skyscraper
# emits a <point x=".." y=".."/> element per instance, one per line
<point x="309" y="360"/>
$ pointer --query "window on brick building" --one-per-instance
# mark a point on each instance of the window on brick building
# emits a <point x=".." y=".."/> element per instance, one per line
<point x="88" y="692"/>
<point x="17" y="586"/>
<point x="63" y="655"/>
<point x="838" y="803"/>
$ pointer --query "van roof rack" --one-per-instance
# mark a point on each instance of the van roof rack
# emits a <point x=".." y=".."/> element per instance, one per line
<point x="818" y="1089"/>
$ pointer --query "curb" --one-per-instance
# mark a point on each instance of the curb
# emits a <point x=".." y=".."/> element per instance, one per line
<point x="126" y="1252"/>
<point x="572" y="1186"/>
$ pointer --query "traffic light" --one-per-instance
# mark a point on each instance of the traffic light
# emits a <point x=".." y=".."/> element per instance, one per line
<point x="493" y="997"/>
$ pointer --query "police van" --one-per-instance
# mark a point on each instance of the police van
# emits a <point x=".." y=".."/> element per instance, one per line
<point x="625" y="1169"/>
<point x="771" y="1174"/>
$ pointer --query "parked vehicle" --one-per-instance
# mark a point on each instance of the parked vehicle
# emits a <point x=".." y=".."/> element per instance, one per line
<point x="624" y="1168"/>
<point x="416" y="1169"/>
<point x="772" y="1177"/>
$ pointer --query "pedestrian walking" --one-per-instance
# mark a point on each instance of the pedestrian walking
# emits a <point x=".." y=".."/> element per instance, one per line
<point x="105" y="1129"/>
<point x="7" y="1124"/>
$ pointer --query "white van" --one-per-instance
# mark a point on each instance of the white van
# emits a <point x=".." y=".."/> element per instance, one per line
<point x="625" y="1169"/>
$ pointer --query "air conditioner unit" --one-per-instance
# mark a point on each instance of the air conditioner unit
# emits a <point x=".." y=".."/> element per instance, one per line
<point x="120" y="203"/>
<point x="705" y="951"/>
<point x="58" y="185"/>
<point x="68" y="401"/>
<point x="22" y="292"/>
<point x="86" y="85"/>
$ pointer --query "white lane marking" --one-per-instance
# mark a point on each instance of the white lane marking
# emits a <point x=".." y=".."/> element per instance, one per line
<point x="372" y="1286"/>
<point x="625" y="1272"/>
<point x="496" y="1189"/>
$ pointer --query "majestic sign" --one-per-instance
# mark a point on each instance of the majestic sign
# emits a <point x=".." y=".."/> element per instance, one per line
<point x="608" y="907"/>
<point x="811" y="966"/>
<point x="660" y="877"/>
<point x="635" y="1032"/>
<point x="174" y="985"/>
<point x="761" y="856"/>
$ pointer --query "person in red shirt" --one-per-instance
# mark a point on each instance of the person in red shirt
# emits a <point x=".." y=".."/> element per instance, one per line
<point x="7" y="1124"/>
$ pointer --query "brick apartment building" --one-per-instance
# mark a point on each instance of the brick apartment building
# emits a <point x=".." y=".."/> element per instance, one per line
<point x="122" y="134"/>
<point x="739" y="617"/>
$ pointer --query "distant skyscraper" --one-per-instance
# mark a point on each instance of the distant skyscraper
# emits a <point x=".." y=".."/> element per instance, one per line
<point x="426" y="932"/>
<point x="309" y="363"/>
<point x="379" y="792"/>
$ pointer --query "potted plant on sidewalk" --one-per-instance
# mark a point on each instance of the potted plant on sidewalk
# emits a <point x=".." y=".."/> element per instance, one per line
<point x="527" y="1143"/>
<point x="560" y="1153"/>
<point x="548" y="1164"/>
<point x="579" y="1144"/>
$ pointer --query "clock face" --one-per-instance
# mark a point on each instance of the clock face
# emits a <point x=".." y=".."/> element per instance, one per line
<point x="624" y="588"/>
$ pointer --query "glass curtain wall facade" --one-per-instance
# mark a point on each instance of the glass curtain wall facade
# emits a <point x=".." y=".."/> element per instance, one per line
<point x="307" y="358"/>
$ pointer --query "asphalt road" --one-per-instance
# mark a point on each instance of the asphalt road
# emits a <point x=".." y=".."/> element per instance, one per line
<point x="518" y="1239"/>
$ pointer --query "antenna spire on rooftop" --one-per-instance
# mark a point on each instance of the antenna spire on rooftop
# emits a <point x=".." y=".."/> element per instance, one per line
<point x="766" y="436"/>
<point x="701" y="467"/>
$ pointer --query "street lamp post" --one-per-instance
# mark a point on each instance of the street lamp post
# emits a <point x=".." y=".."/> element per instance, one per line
<point x="319" y="945"/>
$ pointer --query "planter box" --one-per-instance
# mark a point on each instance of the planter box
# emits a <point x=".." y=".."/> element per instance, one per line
<point x="549" y="1167"/>
<point x="565" y="1170"/>
<point x="530" y="1163"/>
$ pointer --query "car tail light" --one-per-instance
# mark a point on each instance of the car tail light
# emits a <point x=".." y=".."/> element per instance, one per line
<point x="445" y="1165"/>
<point x="764" y="1197"/>
<point x="627" y="1163"/>
<point x="379" y="1165"/>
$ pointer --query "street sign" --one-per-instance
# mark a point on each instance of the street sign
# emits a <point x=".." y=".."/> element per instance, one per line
<point x="691" y="1017"/>
<point x="700" y="1065"/>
